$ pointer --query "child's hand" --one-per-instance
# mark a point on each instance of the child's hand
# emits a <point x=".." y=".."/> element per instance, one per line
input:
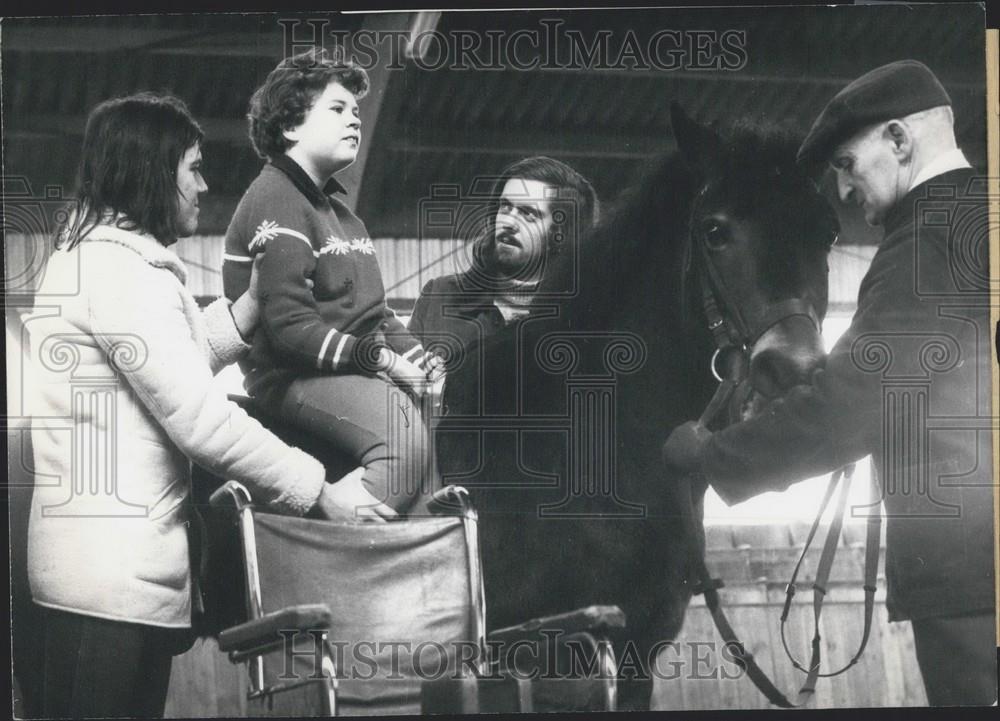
<point x="403" y="373"/>
<point x="435" y="368"/>
<point x="246" y="308"/>
<point x="252" y="289"/>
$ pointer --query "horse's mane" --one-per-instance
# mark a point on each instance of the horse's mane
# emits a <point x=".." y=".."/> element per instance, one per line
<point x="643" y="227"/>
<point x="759" y="163"/>
<point x="646" y="230"/>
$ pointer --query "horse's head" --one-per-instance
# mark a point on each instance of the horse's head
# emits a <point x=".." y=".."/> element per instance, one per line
<point x="759" y="235"/>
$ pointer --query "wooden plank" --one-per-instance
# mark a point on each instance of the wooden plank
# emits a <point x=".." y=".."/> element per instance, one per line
<point x="403" y="267"/>
<point x="400" y="259"/>
<point x="719" y="538"/>
<point x="198" y="687"/>
<point x="762" y="536"/>
<point x="412" y="263"/>
<point x="406" y="263"/>
<point x="840" y="627"/>
<point x="758" y="638"/>
<point x="776" y="565"/>
<point x="799" y="532"/>
<point x="799" y="632"/>
<point x="221" y="130"/>
<point x="869" y="666"/>
<point x="194" y="689"/>
<point x="387" y="264"/>
<point x="899" y="657"/>
<point x="886" y="675"/>
<point x="202" y="256"/>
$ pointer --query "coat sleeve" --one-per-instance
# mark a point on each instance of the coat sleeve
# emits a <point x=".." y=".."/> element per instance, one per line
<point x="837" y="418"/>
<point x="140" y="323"/>
<point x="225" y="344"/>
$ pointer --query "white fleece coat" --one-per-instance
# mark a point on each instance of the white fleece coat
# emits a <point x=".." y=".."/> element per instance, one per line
<point x="122" y="397"/>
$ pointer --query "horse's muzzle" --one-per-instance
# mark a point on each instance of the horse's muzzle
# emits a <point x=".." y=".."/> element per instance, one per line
<point x="786" y="355"/>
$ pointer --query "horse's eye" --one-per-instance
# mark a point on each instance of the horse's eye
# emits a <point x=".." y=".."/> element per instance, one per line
<point x="715" y="234"/>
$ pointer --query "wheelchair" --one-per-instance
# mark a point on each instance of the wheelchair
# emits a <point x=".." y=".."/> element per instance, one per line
<point x="332" y="618"/>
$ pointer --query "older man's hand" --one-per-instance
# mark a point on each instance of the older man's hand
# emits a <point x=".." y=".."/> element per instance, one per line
<point x="682" y="450"/>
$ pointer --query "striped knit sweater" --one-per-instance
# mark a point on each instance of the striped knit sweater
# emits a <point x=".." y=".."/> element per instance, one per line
<point x="307" y="234"/>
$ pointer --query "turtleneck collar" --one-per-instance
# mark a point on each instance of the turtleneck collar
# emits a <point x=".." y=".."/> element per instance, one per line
<point x="514" y="299"/>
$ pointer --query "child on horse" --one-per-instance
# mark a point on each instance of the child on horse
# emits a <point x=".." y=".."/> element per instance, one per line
<point x="329" y="357"/>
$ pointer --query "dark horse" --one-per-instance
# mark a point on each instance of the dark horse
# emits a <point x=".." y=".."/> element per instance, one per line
<point x="556" y="426"/>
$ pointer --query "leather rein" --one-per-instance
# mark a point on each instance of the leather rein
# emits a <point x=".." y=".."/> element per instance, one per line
<point x="732" y="333"/>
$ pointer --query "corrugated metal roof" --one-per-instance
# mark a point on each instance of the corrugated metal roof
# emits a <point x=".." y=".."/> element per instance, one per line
<point x="606" y="122"/>
<point x="450" y="126"/>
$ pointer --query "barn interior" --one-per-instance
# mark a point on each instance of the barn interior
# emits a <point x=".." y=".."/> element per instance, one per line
<point x="430" y="124"/>
<point x="433" y="128"/>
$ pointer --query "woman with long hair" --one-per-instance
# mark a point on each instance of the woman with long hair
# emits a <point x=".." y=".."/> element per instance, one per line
<point x="122" y="401"/>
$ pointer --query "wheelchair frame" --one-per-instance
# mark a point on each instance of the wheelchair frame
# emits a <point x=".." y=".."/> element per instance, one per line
<point x="248" y="642"/>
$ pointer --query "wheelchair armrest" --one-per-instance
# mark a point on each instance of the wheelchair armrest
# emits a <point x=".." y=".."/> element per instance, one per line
<point x="262" y="633"/>
<point x="598" y="620"/>
<point x="231" y="495"/>
<point x="452" y="501"/>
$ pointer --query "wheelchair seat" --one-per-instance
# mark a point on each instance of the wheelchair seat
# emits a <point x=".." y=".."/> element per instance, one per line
<point x="364" y="618"/>
<point x="384" y="605"/>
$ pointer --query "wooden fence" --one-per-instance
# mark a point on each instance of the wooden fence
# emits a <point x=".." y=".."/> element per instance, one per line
<point x="694" y="674"/>
<point x="407" y="264"/>
<point x="756" y="562"/>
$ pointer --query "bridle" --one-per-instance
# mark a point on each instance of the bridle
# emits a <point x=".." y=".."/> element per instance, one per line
<point x="732" y="333"/>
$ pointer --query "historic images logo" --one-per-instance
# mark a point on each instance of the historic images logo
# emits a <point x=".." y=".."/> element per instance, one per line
<point x="550" y="46"/>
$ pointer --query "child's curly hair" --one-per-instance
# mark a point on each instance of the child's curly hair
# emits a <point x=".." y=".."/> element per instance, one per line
<point x="290" y="90"/>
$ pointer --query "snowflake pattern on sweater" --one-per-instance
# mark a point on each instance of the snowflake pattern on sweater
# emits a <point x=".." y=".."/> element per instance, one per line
<point x="269" y="229"/>
<point x="320" y="282"/>
<point x="339" y="246"/>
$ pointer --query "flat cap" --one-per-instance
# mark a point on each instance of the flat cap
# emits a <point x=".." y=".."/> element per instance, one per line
<point x="890" y="91"/>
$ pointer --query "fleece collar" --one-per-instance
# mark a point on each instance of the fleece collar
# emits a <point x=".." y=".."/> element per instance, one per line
<point x="148" y="247"/>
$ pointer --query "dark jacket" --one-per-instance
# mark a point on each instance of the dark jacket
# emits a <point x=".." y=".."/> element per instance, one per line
<point x="308" y="235"/>
<point x="454" y="313"/>
<point x="909" y="382"/>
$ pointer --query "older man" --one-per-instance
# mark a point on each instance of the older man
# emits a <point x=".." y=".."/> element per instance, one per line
<point x="540" y="207"/>
<point x="909" y="382"/>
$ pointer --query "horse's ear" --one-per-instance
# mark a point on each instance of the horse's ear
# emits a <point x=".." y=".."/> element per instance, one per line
<point x="699" y="145"/>
<point x="814" y="171"/>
